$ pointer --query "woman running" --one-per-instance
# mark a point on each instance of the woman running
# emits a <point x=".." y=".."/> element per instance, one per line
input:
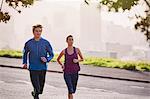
<point x="71" y="65"/>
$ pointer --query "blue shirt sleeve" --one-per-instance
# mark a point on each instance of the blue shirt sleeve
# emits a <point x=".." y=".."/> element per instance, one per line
<point x="25" y="53"/>
<point x="50" y="52"/>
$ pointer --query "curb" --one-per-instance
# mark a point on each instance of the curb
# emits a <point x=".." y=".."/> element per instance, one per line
<point x="88" y="75"/>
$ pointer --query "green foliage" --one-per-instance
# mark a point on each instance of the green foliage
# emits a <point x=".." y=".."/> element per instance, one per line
<point x="95" y="61"/>
<point x="144" y="25"/>
<point x="10" y="53"/>
<point x="143" y="66"/>
<point x="129" y="66"/>
<point x="15" y="4"/>
<point x="4" y="17"/>
<point x="119" y="4"/>
<point x="116" y="63"/>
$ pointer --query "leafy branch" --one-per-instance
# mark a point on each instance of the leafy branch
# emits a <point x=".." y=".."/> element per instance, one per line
<point x="15" y="4"/>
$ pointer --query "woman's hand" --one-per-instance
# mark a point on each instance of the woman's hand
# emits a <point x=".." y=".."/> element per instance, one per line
<point x="63" y="67"/>
<point x="75" y="60"/>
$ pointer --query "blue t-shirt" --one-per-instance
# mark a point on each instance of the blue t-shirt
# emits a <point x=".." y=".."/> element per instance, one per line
<point x="35" y="50"/>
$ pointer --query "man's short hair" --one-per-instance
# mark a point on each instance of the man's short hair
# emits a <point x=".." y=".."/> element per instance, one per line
<point x="37" y="26"/>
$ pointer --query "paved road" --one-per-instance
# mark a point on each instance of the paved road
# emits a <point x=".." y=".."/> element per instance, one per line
<point x="15" y="84"/>
<point x="88" y="69"/>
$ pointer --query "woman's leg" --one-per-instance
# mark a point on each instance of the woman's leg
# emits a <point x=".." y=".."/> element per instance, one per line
<point x="74" y="78"/>
<point x="70" y="96"/>
<point x="69" y="84"/>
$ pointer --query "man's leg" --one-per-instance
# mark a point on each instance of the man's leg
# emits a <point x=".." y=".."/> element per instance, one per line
<point x="34" y="75"/>
<point x="42" y="80"/>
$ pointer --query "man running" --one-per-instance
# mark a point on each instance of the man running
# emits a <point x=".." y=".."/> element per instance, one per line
<point x="40" y="53"/>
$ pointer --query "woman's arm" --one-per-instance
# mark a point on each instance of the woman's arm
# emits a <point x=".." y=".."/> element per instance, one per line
<point x="80" y="55"/>
<point x="59" y="57"/>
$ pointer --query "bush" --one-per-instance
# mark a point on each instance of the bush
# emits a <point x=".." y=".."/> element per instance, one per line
<point x="116" y="63"/>
<point x="95" y="61"/>
<point x="10" y="53"/>
<point x="129" y="66"/>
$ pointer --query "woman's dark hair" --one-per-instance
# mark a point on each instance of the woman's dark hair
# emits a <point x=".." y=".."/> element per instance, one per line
<point x="36" y="26"/>
<point x="68" y="37"/>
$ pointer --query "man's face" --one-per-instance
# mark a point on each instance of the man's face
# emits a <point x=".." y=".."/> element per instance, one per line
<point x="37" y="32"/>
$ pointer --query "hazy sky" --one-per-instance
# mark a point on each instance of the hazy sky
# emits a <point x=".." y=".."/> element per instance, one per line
<point x="125" y="19"/>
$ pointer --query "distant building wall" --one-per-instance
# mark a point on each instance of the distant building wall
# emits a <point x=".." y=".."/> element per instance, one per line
<point x="90" y="27"/>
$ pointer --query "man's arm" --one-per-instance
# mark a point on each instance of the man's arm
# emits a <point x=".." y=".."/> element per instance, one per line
<point x="25" y="54"/>
<point x="50" y="52"/>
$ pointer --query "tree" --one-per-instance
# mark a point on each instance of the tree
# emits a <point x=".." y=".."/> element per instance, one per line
<point x="143" y="22"/>
<point x="15" y="4"/>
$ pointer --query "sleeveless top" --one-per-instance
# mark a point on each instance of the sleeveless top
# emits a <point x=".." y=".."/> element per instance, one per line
<point x="70" y="66"/>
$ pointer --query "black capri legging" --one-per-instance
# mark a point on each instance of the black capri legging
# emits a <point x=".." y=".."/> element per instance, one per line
<point x="71" y="82"/>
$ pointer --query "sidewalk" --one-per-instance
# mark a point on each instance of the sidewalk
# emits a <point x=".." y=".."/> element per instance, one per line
<point x="88" y="70"/>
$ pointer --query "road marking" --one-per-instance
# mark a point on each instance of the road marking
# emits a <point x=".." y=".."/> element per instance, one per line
<point x="23" y="81"/>
<point x="2" y="81"/>
<point x="139" y="87"/>
<point x="95" y="89"/>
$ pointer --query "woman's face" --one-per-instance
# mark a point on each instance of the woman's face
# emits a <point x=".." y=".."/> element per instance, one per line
<point x="70" y="41"/>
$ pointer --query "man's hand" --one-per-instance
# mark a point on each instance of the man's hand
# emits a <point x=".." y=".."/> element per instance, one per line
<point x="44" y="59"/>
<point x="25" y="66"/>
